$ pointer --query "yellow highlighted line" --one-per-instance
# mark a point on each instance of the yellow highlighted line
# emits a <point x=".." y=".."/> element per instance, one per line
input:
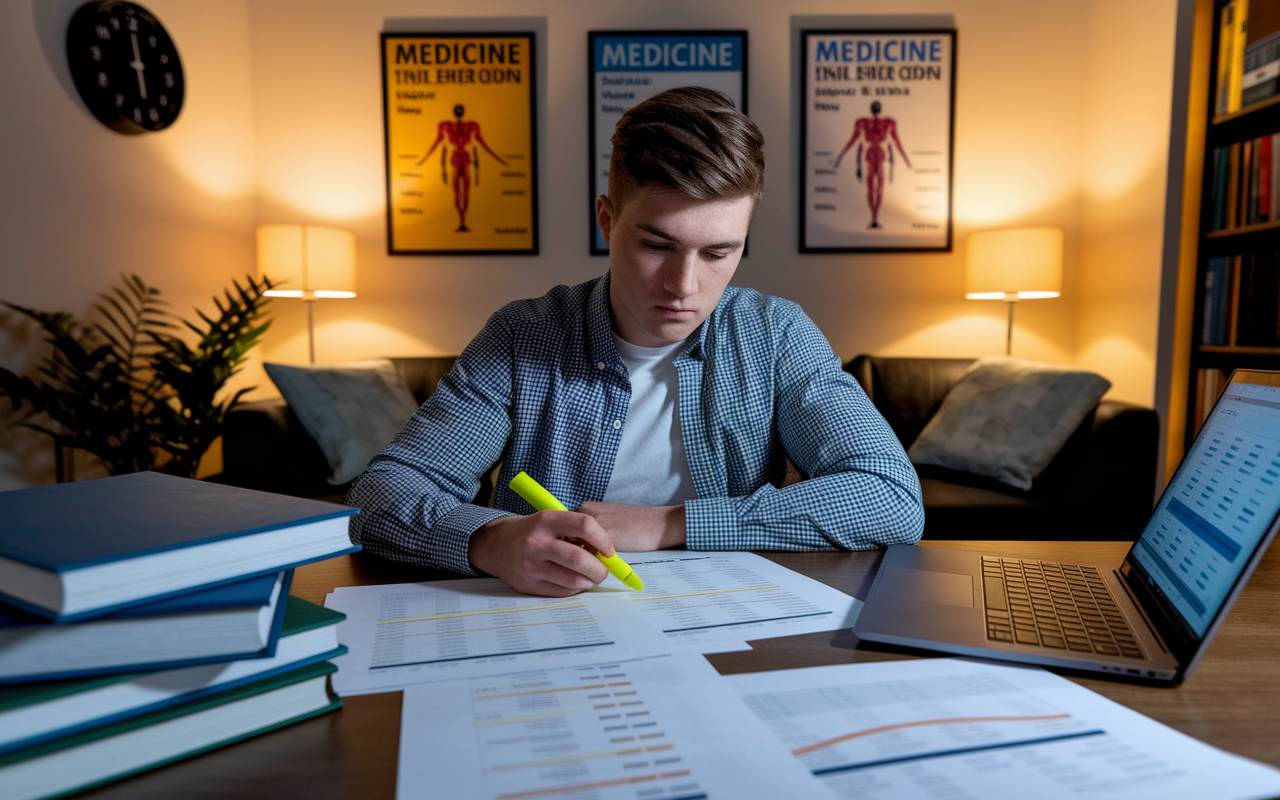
<point x="516" y="610"/>
<point x="538" y="691"/>
<point x="700" y="594"/>
<point x="503" y="627"/>
<point x="513" y="720"/>
<point x="569" y="759"/>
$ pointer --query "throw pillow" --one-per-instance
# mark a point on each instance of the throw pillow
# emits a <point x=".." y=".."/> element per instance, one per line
<point x="351" y="410"/>
<point x="1007" y="418"/>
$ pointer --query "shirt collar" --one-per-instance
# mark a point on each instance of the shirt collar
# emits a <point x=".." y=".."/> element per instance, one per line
<point x="600" y="345"/>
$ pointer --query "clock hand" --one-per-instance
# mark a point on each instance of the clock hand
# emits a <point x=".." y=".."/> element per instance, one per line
<point x="137" y="64"/>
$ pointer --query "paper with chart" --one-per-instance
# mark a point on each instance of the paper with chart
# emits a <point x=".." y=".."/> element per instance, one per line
<point x="414" y="632"/>
<point x="703" y="600"/>
<point x="970" y="730"/>
<point x="666" y="727"/>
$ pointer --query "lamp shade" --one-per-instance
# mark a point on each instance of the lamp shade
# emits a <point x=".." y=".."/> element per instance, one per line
<point x="1016" y="263"/>
<point x="307" y="261"/>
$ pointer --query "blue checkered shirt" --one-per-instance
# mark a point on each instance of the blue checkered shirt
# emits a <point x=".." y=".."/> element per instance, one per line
<point x="543" y="389"/>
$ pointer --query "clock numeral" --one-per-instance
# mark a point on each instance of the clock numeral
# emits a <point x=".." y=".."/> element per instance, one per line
<point x="164" y="59"/>
<point x="164" y="100"/>
<point x="168" y="80"/>
<point x="119" y="100"/>
<point x="152" y="40"/>
<point x="96" y="52"/>
<point x="137" y="115"/>
<point x="102" y="31"/>
<point x="155" y="115"/>
<point x="102" y="79"/>
<point x="115" y="24"/>
<point x="133" y="24"/>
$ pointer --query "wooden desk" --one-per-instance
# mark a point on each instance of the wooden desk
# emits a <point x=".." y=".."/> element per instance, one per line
<point x="1232" y="700"/>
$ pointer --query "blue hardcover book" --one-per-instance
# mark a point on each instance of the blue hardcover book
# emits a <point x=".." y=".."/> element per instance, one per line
<point x="237" y="621"/>
<point x="32" y="713"/>
<point x="78" y="550"/>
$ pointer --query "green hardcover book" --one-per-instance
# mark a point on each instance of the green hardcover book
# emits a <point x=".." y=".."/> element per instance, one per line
<point x="123" y="749"/>
<point x="32" y="713"/>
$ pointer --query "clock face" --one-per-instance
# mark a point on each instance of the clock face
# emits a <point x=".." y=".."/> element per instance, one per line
<point x="125" y="66"/>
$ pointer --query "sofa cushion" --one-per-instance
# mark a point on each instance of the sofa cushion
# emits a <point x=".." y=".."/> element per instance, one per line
<point x="1007" y="418"/>
<point x="351" y="410"/>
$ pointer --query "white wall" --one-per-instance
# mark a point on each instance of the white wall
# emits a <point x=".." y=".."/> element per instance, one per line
<point x="283" y="123"/>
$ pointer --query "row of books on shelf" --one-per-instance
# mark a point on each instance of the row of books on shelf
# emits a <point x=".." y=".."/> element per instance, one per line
<point x="1246" y="183"/>
<point x="147" y="619"/>
<point x="1248" y="55"/>
<point x="1241" y="298"/>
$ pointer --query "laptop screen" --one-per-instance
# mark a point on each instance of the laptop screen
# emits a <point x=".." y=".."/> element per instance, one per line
<point x="1218" y="507"/>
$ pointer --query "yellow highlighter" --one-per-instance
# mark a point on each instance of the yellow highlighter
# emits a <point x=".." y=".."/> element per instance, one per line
<point x="543" y="500"/>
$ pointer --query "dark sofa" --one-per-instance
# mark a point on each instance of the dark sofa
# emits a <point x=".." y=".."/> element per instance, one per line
<point x="1100" y="486"/>
<point x="265" y="447"/>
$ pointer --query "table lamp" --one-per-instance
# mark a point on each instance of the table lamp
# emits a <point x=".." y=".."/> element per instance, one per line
<point x="308" y="262"/>
<point x="1014" y="264"/>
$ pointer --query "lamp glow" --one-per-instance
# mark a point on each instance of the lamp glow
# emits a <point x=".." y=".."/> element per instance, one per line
<point x="1014" y="264"/>
<point x="314" y="262"/>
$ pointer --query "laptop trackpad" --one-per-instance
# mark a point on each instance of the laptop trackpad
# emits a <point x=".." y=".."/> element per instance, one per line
<point x="926" y="586"/>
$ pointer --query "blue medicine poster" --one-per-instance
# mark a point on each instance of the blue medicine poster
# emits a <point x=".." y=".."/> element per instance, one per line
<point x="630" y="67"/>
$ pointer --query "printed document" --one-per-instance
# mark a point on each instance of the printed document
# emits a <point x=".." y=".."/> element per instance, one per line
<point x="972" y="730"/>
<point x="666" y="727"/>
<point x="407" y="633"/>
<point x="704" y="600"/>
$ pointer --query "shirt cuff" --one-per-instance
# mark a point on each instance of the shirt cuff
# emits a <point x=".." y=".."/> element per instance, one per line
<point x="454" y="530"/>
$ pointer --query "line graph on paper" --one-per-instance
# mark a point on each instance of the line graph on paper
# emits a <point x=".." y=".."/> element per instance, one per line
<point x="846" y="728"/>
<point x="586" y="732"/>
<point x="430" y="625"/>
<point x="955" y="735"/>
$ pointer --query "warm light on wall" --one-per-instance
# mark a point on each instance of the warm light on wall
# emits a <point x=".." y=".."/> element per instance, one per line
<point x="1014" y="264"/>
<point x="313" y="262"/>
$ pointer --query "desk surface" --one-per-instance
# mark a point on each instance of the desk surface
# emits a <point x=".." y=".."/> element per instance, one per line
<point x="1231" y="701"/>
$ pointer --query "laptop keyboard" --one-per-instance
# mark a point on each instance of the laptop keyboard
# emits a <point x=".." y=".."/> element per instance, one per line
<point x="1060" y="606"/>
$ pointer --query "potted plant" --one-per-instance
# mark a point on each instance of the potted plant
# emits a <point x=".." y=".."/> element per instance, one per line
<point x="127" y="388"/>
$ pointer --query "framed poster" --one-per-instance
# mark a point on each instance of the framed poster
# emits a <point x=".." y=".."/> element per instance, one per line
<point x="629" y="67"/>
<point x="876" y="140"/>
<point x="461" y="143"/>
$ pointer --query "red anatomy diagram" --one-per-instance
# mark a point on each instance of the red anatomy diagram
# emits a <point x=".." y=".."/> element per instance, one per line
<point x="460" y="132"/>
<point x="876" y="130"/>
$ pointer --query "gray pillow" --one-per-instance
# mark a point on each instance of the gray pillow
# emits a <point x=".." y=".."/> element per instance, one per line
<point x="351" y="410"/>
<point x="1007" y="418"/>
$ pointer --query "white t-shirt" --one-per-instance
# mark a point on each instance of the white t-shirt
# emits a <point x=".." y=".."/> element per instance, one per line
<point x="651" y="468"/>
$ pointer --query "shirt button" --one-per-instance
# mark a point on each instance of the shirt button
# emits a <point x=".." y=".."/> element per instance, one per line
<point x="617" y="423"/>
<point x="599" y="365"/>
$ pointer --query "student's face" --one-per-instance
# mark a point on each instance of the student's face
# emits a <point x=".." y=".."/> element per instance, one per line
<point x="670" y="259"/>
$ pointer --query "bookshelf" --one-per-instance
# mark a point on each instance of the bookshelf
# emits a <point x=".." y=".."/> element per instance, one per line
<point x="1237" y="302"/>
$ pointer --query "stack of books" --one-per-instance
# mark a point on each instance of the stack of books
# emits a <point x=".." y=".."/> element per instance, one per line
<point x="146" y="618"/>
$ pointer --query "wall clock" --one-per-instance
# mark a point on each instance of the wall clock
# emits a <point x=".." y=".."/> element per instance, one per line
<point x="125" y="66"/>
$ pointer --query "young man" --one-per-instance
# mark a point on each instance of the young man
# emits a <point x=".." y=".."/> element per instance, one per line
<point x="657" y="402"/>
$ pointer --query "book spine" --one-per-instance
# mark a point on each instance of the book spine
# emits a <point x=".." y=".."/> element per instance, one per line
<point x="1233" y="184"/>
<point x="1255" y="171"/>
<point x="1264" y="179"/>
<point x="1221" y="163"/>
<point x="1226" y="39"/>
<point x="1246" y="171"/>
<point x="1240" y="29"/>
<point x="1206" y="310"/>
<point x="1233" y="300"/>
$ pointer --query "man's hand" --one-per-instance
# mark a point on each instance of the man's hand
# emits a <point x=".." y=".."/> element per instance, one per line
<point x="639" y="529"/>
<point x="530" y="555"/>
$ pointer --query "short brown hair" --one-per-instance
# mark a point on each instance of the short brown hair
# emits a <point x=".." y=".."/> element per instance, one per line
<point x="690" y="139"/>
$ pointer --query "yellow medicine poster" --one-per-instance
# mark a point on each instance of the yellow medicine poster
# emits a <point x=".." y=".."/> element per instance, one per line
<point x="461" y="143"/>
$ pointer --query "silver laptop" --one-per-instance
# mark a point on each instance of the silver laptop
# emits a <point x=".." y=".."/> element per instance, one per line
<point x="1154" y="616"/>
